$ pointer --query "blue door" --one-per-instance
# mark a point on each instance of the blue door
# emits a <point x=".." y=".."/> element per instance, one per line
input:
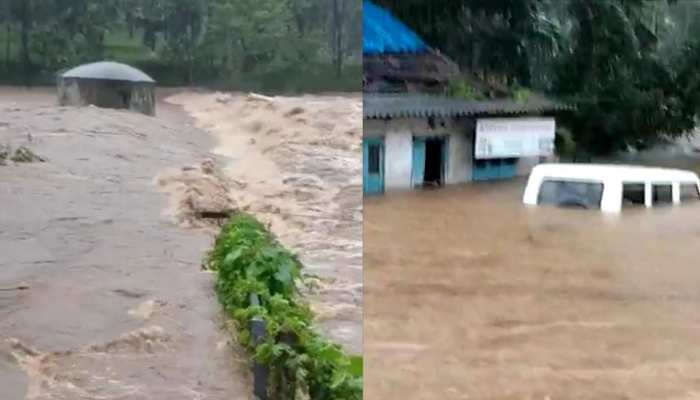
<point x="418" y="165"/>
<point x="373" y="166"/>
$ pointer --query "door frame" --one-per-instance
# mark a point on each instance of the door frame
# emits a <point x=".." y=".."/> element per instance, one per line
<point x="445" y="141"/>
<point x="366" y="143"/>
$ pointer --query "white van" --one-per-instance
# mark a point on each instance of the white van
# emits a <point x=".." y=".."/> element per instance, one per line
<point x="609" y="187"/>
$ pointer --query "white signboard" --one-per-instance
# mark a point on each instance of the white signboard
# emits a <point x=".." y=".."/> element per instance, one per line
<point x="514" y="137"/>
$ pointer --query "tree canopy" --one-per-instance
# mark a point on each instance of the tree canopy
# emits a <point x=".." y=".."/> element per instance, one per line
<point x="186" y="41"/>
<point x="629" y="66"/>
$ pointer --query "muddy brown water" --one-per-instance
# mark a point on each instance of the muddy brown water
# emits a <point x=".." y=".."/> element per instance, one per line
<point x="470" y="295"/>
<point x="296" y="165"/>
<point x="116" y="306"/>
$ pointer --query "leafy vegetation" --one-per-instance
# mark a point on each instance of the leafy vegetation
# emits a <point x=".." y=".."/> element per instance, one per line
<point x="228" y="43"/>
<point x="630" y="66"/>
<point x="302" y="363"/>
<point x="465" y="89"/>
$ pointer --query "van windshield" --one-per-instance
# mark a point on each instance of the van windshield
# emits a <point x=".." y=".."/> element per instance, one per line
<point x="575" y="194"/>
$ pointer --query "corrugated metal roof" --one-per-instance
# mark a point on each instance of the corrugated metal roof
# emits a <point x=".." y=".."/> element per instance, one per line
<point x="108" y="70"/>
<point x="383" y="33"/>
<point x="407" y="105"/>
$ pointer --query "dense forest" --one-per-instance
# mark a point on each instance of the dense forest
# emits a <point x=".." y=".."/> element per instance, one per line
<point x="631" y="67"/>
<point x="255" y="44"/>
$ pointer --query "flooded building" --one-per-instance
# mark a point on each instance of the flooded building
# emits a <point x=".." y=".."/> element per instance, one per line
<point x="413" y="140"/>
<point x="414" y="135"/>
<point x="109" y="85"/>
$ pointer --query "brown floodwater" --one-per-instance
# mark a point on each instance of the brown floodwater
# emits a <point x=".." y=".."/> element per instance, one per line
<point x="115" y="304"/>
<point x="470" y="295"/>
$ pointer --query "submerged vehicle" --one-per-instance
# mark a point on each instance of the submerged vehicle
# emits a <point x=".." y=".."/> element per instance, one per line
<point x="609" y="187"/>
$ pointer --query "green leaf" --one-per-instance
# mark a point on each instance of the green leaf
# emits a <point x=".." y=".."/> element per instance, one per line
<point x="339" y="377"/>
<point x="232" y="257"/>
<point x="284" y="273"/>
<point x="356" y="366"/>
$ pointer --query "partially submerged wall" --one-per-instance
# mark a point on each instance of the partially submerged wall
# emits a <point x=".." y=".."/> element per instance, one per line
<point x="137" y="97"/>
<point x="460" y="158"/>
<point x="459" y="133"/>
<point x="69" y="93"/>
<point x="143" y="99"/>
<point x="398" y="143"/>
<point x="526" y="164"/>
<point x="398" y="147"/>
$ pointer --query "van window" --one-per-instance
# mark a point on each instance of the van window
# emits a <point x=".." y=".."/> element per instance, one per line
<point x="662" y="194"/>
<point x="632" y="194"/>
<point x="571" y="193"/>
<point x="689" y="192"/>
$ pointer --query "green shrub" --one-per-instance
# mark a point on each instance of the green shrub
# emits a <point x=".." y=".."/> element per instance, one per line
<point x="248" y="260"/>
<point x="565" y="146"/>
<point x="464" y="89"/>
<point x="521" y="95"/>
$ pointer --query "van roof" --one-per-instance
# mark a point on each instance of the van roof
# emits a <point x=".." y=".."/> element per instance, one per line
<point x="602" y="172"/>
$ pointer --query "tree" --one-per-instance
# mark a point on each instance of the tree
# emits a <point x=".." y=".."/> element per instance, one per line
<point x="254" y="35"/>
<point x="7" y="19"/>
<point x="345" y="17"/>
<point x="227" y="40"/>
<point x="625" y="94"/>
<point x="629" y="66"/>
<point x="497" y="40"/>
<point x="185" y="27"/>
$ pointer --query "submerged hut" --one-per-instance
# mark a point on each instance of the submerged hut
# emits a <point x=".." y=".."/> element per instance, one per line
<point x="107" y="84"/>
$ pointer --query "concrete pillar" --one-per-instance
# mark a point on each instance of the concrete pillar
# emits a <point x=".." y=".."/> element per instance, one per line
<point x="459" y="158"/>
<point x="398" y="148"/>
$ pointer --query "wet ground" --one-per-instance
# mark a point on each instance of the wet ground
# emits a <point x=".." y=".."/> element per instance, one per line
<point x="469" y="295"/>
<point x="114" y="305"/>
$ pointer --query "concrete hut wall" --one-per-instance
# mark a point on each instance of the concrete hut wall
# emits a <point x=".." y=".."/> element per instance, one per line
<point x="69" y="93"/>
<point x="137" y="97"/>
<point x="398" y="143"/>
<point x="143" y="99"/>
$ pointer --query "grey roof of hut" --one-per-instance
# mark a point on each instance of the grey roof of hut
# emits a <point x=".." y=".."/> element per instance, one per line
<point x="406" y="105"/>
<point x="108" y="70"/>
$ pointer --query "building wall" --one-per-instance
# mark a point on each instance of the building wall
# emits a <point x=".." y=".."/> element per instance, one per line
<point x="69" y="93"/>
<point x="398" y="147"/>
<point x="460" y="157"/>
<point x="526" y="164"/>
<point x="398" y="142"/>
<point x="108" y="94"/>
<point x="143" y="99"/>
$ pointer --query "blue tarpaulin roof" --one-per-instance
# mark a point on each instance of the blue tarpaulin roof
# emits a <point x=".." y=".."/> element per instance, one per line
<point x="383" y="33"/>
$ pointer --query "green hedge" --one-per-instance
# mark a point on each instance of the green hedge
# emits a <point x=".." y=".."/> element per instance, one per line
<point x="248" y="260"/>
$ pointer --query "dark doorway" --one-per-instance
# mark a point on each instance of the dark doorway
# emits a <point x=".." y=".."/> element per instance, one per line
<point x="434" y="163"/>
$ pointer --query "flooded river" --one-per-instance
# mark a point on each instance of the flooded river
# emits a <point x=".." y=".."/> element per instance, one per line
<point x="102" y="295"/>
<point x="295" y="163"/>
<point x="114" y="303"/>
<point x="469" y="295"/>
